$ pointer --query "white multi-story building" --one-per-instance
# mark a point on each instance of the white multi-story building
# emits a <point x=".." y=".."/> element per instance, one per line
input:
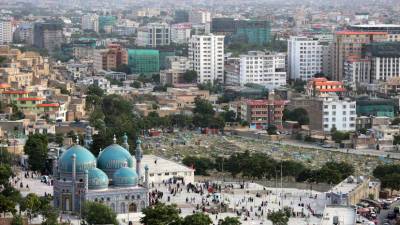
<point x="268" y="69"/>
<point x="338" y="113"/>
<point x="6" y="33"/>
<point x="154" y="35"/>
<point x="206" y="54"/>
<point x="305" y="57"/>
<point x="90" y="22"/>
<point x="357" y="71"/>
<point x="180" y="33"/>
<point x="199" y="17"/>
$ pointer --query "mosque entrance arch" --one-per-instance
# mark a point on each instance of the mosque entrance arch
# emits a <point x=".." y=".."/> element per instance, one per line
<point x="123" y="210"/>
<point x="132" y="207"/>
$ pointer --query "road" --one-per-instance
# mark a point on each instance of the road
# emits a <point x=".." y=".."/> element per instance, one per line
<point x="368" y="152"/>
<point x="384" y="212"/>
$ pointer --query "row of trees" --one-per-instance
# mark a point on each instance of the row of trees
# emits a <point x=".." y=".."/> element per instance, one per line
<point x="10" y="198"/>
<point x="160" y="214"/>
<point x="389" y="175"/>
<point x="262" y="166"/>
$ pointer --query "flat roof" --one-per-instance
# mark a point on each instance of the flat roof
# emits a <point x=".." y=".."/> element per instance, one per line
<point x="157" y="164"/>
<point x="347" y="185"/>
<point x="346" y="215"/>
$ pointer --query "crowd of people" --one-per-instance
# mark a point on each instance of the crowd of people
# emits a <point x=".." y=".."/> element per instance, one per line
<point x="236" y="198"/>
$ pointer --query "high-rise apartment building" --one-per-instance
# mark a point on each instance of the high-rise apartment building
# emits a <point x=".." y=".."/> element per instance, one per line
<point x="154" y="35"/>
<point x="48" y="35"/>
<point x="199" y="17"/>
<point x="348" y="44"/>
<point x="267" y="69"/>
<point x="110" y="58"/>
<point x="180" y="33"/>
<point x="90" y="22"/>
<point x="5" y="32"/>
<point x="144" y="61"/>
<point x="256" y="32"/>
<point x="24" y="34"/>
<point x="305" y="57"/>
<point x="206" y="53"/>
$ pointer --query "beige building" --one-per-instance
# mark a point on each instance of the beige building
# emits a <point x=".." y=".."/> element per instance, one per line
<point x="349" y="44"/>
<point x="352" y="190"/>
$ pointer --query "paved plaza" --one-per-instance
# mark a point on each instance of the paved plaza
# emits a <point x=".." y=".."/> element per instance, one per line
<point x="249" y="201"/>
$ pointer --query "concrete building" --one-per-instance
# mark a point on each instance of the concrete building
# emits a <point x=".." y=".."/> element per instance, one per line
<point x="180" y="33"/>
<point x="350" y="191"/>
<point x="305" y="57"/>
<point x="90" y="22"/>
<point x="337" y="214"/>
<point x="24" y="34"/>
<point x="357" y="71"/>
<point x="6" y="33"/>
<point x="393" y="30"/>
<point x="176" y="66"/>
<point x="199" y="17"/>
<point x="206" y="53"/>
<point x="267" y="69"/>
<point x="327" y="111"/>
<point x="338" y="113"/>
<point x="385" y="60"/>
<point x="144" y="61"/>
<point x="110" y="58"/>
<point x="161" y="170"/>
<point x="262" y="113"/>
<point x="154" y="35"/>
<point x="48" y="35"/>
<point x="321" y="86"/>
<point x="348" y="44"/>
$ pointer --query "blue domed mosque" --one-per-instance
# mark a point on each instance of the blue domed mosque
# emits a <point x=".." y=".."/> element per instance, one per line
<point x="113" y="178"/>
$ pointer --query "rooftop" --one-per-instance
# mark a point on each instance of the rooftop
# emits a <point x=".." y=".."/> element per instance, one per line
<point x="347" y="185"/>
<point x="345" y="215"/>
<point x="157" y="164"/>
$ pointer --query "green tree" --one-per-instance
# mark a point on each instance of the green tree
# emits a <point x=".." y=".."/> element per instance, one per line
<point x="298" y="85"/>
<point x="200" y="164"/>
<point x="136" y="84"/>
<point x="278" y="218"/>
<point x="272" y="129"/>
<point x="17" y="220"/>
<point x="92" y="210"/>
<point x="161" y="214"/>
<point x="7" y="205"/>
<point x="298" y="114"/>
<point x="396" y="121"/>
<point x="391" y="181"/>
<point x="396" y="140"/>
<point x="197" y="219"/>
<point x="190" y="76"/>
<point x="31" y="204"/>
<point x="5" y="174"/>
<point x="230" y="221"/>
<point x="36" y="149"/>
<point x="203" y="106"/>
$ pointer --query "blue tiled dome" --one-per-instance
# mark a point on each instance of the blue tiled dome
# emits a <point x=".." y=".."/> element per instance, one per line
<point x="125" y="177"/>
<point x="85" y="160"/>
<point x="113" y="158"/>
<point x="97" y="179"/>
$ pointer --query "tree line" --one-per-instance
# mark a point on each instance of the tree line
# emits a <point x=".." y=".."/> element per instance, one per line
<point x="261" y="166"/>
